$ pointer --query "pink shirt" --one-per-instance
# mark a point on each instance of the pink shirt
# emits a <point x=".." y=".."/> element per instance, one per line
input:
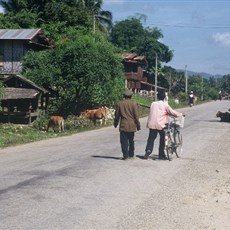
<point x="159" y="115"/>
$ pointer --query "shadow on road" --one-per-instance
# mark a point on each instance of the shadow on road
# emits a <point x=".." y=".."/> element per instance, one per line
<point x="152" y="157"/>
<point x="215" y="121"/>
<point x="106" y="157"/>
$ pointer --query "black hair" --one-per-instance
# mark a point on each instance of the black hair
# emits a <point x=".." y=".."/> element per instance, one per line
<point x="125" y="96"/>
<point x="161" y="95"/>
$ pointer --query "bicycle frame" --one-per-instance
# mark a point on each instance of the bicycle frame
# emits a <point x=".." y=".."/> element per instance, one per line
<point x="173" y="139"/>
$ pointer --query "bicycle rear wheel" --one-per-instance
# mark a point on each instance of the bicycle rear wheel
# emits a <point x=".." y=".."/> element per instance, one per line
<point x="169" y="148"/>
<point x="178" y="142"/>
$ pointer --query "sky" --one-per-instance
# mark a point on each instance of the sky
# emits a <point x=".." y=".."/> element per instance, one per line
<point x="198" y="32"/>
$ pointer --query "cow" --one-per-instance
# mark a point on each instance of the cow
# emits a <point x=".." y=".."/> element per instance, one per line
<point x="89" y="113"/>
<point x="97" y="115"/>
<point x="224" y="117"/>
<point x="56" y="122"/>
<point x="100" y="115"/>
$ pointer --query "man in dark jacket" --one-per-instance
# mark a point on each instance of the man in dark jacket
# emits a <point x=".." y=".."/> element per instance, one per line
<point x="126" y="114"/>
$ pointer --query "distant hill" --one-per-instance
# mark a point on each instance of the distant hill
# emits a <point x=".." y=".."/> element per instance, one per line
<point x="204" y="75"/>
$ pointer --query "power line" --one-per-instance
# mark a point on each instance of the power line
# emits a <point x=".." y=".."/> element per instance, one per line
<point x="194" y="27"/>
<point x="169" y="1"/>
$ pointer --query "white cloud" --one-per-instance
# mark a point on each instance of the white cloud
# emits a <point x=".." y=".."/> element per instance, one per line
<point x="222" y="39"/>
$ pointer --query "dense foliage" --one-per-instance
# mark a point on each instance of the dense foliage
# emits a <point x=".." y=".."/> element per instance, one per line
<point x="33" y="13"/>
<point x="86" y="73"/>
<point x="131" y="35"/>
<point x="1" y="89"/>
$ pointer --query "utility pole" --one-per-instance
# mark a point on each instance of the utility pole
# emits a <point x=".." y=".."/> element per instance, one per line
<point x="202" y="88"/>
<point x="170" y="82"/>
<point x="186" y="80"/>
<point x="156" y="77"/>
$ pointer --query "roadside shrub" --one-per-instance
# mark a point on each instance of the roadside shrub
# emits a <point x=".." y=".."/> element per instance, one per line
<point x="182" y="96"/>
<point x="41" y="120"/>
<point x="212" y="94"/>
<point x="76" y="122"/>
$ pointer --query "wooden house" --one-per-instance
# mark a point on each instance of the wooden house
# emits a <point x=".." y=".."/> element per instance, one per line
<point x="136" y="76"/>
<point x="22" y="98"/>
<point x="133" y="69"/>
<point x="15" y="43"/>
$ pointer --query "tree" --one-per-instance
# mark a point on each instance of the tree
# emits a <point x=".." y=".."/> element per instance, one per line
<point x="101" y="18"/>
<point x="177" y="82"/>
<point x="33" y="13"/>
<point x="86" y="73"/>
<point x="225" y="86"/>
<point x="13" y="6"/>
<point x="1" y="89"/>
<point x="152" y="48"/>
<point x="17" y="15"/>
<point x="131" y="36"/>
<point x="127" y="33"/>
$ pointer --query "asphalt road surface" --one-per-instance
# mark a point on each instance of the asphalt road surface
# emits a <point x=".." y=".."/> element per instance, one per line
<point x="79" y="181"/>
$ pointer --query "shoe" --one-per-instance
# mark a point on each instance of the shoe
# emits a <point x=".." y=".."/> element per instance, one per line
<point x="146" y="156"/>
<point x="132" y="158"/>
<point x="124" y="158"/>
<point x="163" y="158"/>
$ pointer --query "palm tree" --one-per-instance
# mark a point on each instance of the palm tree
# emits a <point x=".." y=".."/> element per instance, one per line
<point x="100" y="17"/>
<point x="104" y="21"/>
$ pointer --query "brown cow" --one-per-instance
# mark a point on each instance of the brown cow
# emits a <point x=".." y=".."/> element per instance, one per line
<point x="55" y="122"/>
<point x="96" y="115"/>
<point x="100" y="115"/>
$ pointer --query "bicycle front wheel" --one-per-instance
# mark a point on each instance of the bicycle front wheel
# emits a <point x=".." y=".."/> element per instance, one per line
<point x="178" y="143"/>
<point x="169" y="148"/>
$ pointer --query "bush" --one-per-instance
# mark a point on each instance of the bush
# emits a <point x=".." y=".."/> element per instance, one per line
<point x="41" y="120"/>
<point x="83" y="73"/>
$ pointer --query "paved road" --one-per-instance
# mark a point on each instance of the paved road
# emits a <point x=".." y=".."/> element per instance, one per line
<point x="79" y="182"/>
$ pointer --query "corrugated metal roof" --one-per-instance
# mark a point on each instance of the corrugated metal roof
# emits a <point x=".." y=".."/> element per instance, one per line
<point x="19" y="34"/>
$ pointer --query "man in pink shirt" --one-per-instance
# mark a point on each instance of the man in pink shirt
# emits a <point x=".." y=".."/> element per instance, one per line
<point x="157" y="120"/>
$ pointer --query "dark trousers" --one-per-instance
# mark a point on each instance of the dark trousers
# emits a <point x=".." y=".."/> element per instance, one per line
<point x="150" y="142"/>
<point x="127" y="143"/>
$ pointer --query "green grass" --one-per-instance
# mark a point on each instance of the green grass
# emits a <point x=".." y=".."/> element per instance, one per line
<point x="12" y="134"/>
<point x="142" y="100"/>
<point x="146" y="102"/>
<point x="15" y="134"/>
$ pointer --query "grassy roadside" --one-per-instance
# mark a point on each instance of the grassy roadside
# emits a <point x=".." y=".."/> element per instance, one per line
<point x="15" y="134"/>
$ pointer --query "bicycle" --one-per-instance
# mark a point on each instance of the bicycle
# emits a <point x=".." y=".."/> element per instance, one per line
<point x="173" y="137"/>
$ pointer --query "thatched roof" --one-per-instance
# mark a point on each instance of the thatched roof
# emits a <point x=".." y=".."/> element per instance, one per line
<point x="8" y="77"/>
<point x="19" y="93"/>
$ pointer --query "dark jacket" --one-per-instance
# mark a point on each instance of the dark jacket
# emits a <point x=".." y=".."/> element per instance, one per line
<point x="127" y="114"/>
